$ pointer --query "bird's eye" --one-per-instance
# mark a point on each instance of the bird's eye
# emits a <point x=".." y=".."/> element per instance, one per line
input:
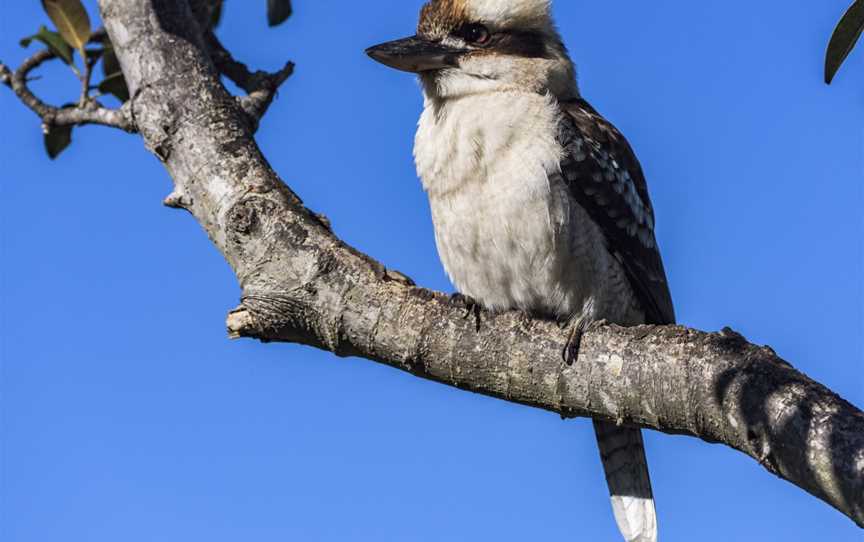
<point x="476" y="33"/>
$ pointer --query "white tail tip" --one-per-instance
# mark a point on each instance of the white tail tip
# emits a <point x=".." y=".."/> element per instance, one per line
<point x="636" y="518"/>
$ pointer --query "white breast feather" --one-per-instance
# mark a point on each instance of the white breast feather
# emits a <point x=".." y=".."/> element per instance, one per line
<point x="507" y="231"/>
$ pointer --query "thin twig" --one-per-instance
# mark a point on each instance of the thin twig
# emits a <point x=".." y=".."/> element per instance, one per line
<point x="90" y="61"/>
<point x="261" y="87"/>
<point x="85" y="81"/>
<point x="87" y="112"/>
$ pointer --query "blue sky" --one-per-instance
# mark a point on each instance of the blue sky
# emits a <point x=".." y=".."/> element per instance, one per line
<point x="127" y="414"/>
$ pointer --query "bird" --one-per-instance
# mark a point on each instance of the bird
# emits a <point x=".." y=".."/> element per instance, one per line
<point x="539" y="203"/>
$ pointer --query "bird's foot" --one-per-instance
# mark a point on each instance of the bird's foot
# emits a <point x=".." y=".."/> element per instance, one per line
<point x="470" y="305"/>
<point x="574" y="341"/>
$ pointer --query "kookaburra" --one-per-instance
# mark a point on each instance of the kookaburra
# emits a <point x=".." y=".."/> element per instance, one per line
<point x="539" y="203"/>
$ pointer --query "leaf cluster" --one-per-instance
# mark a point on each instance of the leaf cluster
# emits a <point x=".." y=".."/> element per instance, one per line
<point x="73" y="33"/>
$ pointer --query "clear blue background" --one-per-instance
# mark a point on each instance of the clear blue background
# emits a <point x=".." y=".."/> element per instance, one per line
<point x="128" y="415"/>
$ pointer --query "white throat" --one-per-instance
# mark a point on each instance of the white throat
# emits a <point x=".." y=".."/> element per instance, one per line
<point x="485" y="160"/>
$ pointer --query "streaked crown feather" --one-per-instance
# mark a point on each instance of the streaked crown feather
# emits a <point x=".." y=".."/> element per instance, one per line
<point x="439" y="17"/>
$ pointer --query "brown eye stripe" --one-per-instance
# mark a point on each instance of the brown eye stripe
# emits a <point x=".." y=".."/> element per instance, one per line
<point x="524" y="43"/>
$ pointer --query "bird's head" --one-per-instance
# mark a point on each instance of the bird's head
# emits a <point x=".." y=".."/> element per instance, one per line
<point x="467" y="47"/>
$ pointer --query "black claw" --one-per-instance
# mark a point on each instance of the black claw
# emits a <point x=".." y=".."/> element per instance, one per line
<point x="462" y="301"/>
<point x="571" y="349"/>
<point x="472" y="308"/>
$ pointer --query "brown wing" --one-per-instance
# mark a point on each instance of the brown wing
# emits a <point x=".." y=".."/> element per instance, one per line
<point x="605" y="178"/>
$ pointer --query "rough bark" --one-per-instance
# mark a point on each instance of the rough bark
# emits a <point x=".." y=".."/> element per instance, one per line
<point x="302" y="284"/>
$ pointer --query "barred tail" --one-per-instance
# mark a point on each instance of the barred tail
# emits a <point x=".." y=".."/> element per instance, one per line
<point x="623" y="455"/>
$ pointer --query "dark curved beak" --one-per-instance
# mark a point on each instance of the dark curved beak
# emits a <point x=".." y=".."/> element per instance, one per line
<point x="415" y="54"/>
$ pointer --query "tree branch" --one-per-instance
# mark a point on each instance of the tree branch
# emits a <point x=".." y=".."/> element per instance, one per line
<point x="260" y="86"/>
<point x="302" y="284"/>
<point x="88" y="111"/>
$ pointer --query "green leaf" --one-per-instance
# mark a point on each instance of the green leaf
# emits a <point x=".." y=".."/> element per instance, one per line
<point x="843" y="41"/>
<point x="278" y="11"/>
<point x="110" y="64"/>
<point x="57" y="138"/>
<point x="95" y="54"/>
<point x="115" y="84"/>
<point x="71" y="20"/>
<point x="53" y="41"/>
